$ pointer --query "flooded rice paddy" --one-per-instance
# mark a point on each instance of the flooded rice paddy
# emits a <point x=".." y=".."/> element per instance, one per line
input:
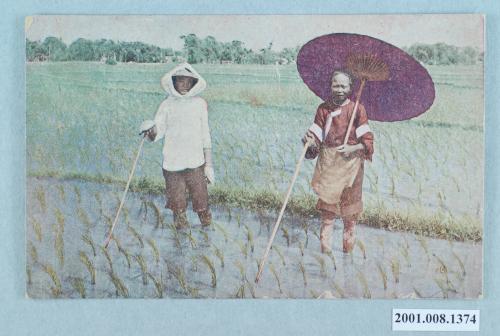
<point x="150" y="258"/>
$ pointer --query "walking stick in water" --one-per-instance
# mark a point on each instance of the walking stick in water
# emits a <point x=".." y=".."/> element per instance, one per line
<point x="278" y="221"/>
<point x="106" y="242"/>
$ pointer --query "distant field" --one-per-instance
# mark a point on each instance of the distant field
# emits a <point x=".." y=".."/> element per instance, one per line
<point x="83" y="119"/>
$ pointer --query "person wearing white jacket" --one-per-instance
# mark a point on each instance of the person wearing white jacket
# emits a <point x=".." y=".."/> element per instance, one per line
<point x="182" y="121"/>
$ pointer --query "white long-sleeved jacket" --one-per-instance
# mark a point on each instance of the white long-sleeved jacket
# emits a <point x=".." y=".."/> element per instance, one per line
<point x="182" y="120"/>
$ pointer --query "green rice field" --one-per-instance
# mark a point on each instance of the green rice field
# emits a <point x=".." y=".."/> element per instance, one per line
<point x="425" y="183"/>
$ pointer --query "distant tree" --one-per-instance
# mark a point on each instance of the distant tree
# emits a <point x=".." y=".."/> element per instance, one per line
<point x="192" y="48"/>
<point x="35" y="51"/>
<point x="55" y="48"/>
<point x="266" y="55"/>
<point x="82" y="50"/>
<point x="471" y="55"/>
<point x="290" y="54"/>
<point x="443" y="54"/>
<point x="211" y="49"/>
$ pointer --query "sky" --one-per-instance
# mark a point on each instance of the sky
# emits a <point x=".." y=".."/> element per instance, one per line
<point x="256" y="31"/>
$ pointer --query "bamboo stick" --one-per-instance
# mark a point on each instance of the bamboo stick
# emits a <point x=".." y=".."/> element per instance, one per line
<point x="106" y="242"/>
<point x="282" y="211"/>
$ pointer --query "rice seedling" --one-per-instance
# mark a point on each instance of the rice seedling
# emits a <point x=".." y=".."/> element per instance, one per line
<point x="87" y="239"/>
<point x="108" y="220"/>
<point x="60" y="220"/>
<point x="366" y="290"/>
<point x="241" y="269"/>
<point x="98" y="198"/>
<point x="57" y="288"/>
<point x="286" y="235"/>
<point x="249" y="238"/>
<point x="219" y="254"/>
<point x="143" y="209"/>
<point x="221" y="230"/>
<point x="240" y="293"/>
<point x="338" y="289"/>
<point x="154" y="248"/>
<point x="121" y="288"/>
<point x="158" y="284"/>
<point x="29" y="274"/>
<point x="79" y="286"/>
<point x="59" y="247"/>
<point x="251" y="287"/>
<point x="362" y="247"/>
<point x="179" y="275"/>
<point x="305" y="227"/>
<point x="206" y="260"/>
<point x="37" y="228"/>
<point x="89" y="265"/>
<point x="108" y="257"/>
<point x="442" y="286"/>
<point x="280" y="254"/>
<point x="316" y="234"/>
<point x="82" y="215"/>
<point x="40" y="196"/>
<point x="383" y="274"/>
<point x="322" y="265"/>
<point x="62" y="193"/>
<point x="33" y="252"/>
<point x="158" y="217"/>
<point x="314" y="294"/>
<point x="460" y="264"/>
<point x="78" y="194"/>
<point x="302" y="269"/>
<point x="301" y="248"/>
<point x="176" y="236"/>
<point x="395" y="267"/>
<point x="191" y="239"/>
<point x="423" y="244"/>
<point x="275" y="274"/>
<point x="122" y="250"/>
<point x="332" y="258"/>
<point x="136" y="235"/>
<point x="406" y="254"/>
<point x="243" y="248"/>
<point x="125" y="210"/>
<point x="144" y="267"/>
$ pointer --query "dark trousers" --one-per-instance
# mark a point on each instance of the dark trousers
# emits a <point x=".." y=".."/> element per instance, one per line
<point x="184" y="183"/>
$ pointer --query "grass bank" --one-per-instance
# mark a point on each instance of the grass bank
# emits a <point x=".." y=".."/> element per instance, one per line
<point x="437" y="225"/>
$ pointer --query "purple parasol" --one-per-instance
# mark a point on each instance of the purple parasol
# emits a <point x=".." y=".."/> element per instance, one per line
<point x="407" y="93"/>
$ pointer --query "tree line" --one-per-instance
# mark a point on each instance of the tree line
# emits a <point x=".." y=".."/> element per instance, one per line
<point x="209" y="50"/>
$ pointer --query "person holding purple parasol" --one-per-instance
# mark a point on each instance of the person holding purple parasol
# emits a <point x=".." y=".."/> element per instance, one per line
<point x="392" y="86"/>
<point x="338" y="176"/>
<point x="389" y="82"/>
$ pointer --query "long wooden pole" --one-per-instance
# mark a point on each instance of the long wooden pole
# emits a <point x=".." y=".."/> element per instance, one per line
<point x="355" y="110"/>
<point x="278" y="221"/>
<point x="106" y="242"/>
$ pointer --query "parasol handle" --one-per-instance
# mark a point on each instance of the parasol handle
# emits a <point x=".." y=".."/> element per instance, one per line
<point x="356" y="105"/>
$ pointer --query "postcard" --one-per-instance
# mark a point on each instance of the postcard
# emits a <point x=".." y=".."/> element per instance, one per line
<point x="255" y="156"/>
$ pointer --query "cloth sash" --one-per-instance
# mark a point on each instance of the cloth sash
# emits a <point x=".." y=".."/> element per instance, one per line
<point x="333" y="173"/>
